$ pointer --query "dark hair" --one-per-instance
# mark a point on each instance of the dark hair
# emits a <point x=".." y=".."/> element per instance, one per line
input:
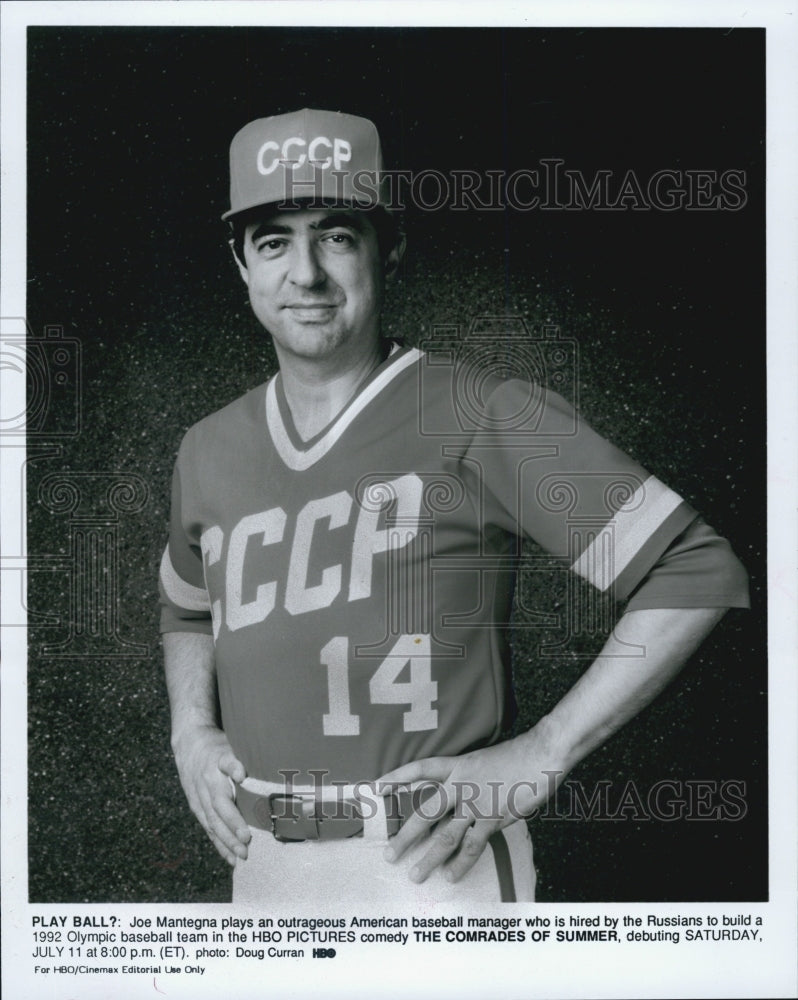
<point x="387" y="226"/>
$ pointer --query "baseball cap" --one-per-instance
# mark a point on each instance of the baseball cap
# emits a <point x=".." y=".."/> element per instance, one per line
<point x="325" y="156"/>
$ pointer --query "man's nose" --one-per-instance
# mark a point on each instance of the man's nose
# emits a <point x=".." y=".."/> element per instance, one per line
<point x="305" y="269"/>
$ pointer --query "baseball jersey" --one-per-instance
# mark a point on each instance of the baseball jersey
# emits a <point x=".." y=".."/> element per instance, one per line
<point x="359" y="585"/>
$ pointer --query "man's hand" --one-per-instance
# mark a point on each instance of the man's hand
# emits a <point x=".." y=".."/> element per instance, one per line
<point x="205" y="760"/>
<point x="645" y="651"/>
<point x="206" y="763"/>
<point x="477" y="794"/>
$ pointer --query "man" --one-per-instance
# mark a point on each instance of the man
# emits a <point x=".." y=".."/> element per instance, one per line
<point x="341" y="564"/>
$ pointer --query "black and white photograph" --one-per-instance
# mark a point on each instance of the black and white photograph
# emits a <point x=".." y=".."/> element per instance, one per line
<point x="389" y="475"/>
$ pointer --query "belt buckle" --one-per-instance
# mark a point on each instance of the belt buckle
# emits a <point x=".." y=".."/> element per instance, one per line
<point x="289" y="827"/>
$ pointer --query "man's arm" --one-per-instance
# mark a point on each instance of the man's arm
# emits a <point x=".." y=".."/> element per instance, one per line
<point x="204" y="758"/>
<point x="527" y="769"/>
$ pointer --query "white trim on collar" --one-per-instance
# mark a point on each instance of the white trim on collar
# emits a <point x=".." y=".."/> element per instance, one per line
<point x="299" y="459"/>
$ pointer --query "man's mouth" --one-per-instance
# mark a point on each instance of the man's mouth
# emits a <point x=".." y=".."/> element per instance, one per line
<point x="310" y="311"/>
<point x="310" y="305"/>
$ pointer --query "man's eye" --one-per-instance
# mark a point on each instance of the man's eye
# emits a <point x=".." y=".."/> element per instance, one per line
<point x="269" y="245"/>
<point x="339" y="239"/>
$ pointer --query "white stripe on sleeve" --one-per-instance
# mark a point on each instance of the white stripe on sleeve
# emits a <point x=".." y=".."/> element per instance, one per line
<point x="622" y="537"/>
<point x="184" y="595"/>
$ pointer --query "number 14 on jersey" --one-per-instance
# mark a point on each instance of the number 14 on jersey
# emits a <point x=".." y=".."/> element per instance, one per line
<point x="419" y="692"/>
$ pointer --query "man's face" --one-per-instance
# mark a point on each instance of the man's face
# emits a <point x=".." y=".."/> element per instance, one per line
<point x="315" y="281"/>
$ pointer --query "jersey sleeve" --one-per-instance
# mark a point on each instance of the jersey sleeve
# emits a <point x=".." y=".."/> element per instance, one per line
<point x="698" y="569"/>
<point x="184" y="600"/>
<point x="553" y="479"/>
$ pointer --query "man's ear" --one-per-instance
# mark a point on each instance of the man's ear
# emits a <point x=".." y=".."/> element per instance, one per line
<point x="242" y="268"/>
<point x="394" y="258"/>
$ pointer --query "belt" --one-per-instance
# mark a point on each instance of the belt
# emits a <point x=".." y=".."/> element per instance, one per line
<point x="302" y="816"/>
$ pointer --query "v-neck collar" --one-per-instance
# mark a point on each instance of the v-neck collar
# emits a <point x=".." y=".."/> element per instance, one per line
<point x="300" y="455"/>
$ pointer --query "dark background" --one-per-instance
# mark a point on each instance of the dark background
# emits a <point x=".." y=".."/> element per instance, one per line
<point x="128" y="132"/>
